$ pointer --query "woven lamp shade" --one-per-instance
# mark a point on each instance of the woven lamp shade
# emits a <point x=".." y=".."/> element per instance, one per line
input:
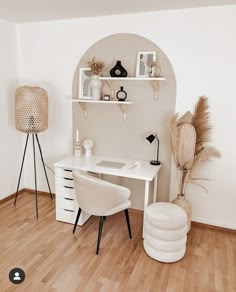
<point x="31" y="109"/>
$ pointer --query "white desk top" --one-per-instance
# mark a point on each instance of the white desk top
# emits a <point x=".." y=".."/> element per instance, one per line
<point x="145" y="171"/>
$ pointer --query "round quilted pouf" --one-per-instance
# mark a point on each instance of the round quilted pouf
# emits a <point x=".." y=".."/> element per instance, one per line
<point x="163" y="256"/>
<point x="166" y="216"/>
<point x="166" y="234"/>
<point x="165" y="229"/>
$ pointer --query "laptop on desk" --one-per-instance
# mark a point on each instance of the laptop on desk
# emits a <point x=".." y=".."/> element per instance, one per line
<point x="111" y="164"/>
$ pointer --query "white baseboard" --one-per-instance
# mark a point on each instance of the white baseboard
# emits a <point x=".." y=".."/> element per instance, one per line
<point x="215" y="223"/>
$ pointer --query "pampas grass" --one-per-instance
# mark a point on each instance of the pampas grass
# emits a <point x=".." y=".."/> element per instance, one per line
<point x="201" y="123"/>
<point x="190" y="135"/>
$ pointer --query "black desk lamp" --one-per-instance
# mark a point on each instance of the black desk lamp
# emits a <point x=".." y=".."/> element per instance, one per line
<point x="150" y="139"/>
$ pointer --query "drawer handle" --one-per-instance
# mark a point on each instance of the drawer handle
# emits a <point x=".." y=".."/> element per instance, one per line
<point x="68" y="178"/>
<point x="69" y="210"/>
<point x="68" y="187"/>
<point x="69" y="170"/>
<point x="69" y="199"/>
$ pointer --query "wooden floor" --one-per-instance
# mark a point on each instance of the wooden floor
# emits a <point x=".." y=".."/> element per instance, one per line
<point x="56" y="260"/>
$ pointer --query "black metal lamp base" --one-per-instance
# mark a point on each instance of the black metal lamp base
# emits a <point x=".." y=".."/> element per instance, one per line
<point x="155" y="162"/>
<point x="35" y="176"/>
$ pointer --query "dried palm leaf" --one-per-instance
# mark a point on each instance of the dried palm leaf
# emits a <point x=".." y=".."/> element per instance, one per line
<point x="186" y="141"/>
<point x="201" y="123"/>
<point x="200" y="185"/>
<point x="204" y="155"/>
<point x="187" y="118"/>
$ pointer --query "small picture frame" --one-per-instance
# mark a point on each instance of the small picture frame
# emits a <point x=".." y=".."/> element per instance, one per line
<point x="85" y="75"/>
<point x="144" y="61"/>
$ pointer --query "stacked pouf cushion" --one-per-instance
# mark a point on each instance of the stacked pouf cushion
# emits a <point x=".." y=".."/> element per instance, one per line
<point x="165" y="230"/>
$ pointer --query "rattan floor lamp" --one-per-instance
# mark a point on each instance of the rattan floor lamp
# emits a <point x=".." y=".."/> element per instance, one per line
<point x="31" y="117"/>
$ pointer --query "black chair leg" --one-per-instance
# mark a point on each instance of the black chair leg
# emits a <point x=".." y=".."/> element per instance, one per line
<point x="77" y="219"/>
<point x="99" y="233"/>
<point x="128" y="223"/>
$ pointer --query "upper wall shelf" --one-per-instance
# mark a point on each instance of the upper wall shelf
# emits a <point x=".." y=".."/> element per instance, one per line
<point x="134" y="78"/>
<point x="83" y="104"/>
<point x="155" y="82"/>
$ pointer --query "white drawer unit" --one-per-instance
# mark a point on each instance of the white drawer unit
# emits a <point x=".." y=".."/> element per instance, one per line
<point x="66" y="204"/>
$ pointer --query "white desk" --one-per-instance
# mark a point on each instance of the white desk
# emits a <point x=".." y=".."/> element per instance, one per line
<point x="146" y="171"/>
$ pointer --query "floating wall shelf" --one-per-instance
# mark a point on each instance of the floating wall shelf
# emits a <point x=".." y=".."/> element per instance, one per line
<point x="84" y="104"/>
<point x="154" y="80"/>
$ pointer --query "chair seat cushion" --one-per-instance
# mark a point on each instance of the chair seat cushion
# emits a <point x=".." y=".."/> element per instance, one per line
<point x="116" y="209"/>
<point x="165" y="216"/>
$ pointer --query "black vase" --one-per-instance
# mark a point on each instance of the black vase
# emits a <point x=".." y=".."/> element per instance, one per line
<point x="118" y="70"/>
<point x="121" y="94"/>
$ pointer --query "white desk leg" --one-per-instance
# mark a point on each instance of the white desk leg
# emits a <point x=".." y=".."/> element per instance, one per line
<point x="146" y="196"/>
<point x="155" y="189"/>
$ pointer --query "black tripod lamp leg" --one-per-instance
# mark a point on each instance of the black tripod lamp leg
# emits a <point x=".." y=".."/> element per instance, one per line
<point x="41" y="154"/>
<point x="21" y="168"/>
<point x="35" y="179"/>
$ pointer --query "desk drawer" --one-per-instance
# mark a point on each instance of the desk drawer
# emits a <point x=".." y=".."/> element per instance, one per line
<point x="65" y="192"/>
<point x="65" y="182"/>
<point x="63" y="172"/>
<point x="69" y="216"/>
<point x="66" y="203"/>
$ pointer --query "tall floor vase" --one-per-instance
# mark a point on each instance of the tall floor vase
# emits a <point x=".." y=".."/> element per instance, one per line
<point x="182" y="202"/>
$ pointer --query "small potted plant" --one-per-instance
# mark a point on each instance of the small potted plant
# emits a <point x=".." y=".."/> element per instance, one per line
<point x="96" y="83"/>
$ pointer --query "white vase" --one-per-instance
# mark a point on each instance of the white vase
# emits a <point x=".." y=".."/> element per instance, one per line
<point x="96" y="87"/>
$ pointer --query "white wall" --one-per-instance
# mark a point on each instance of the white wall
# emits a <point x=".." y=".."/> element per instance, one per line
<point x="200" y="44"/>
<point x="10" y="143"/>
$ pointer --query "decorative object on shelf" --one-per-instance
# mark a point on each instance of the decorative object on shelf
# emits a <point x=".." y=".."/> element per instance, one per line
<point x="31" y="117"/>
<point x="150" y="139"/>
<point x="118" y="70"/>
<point x="190" y="135"/>
<point x="95" y="87"/>
<point x="88" y="145"/>
<point x="121" y="94"/>
<point x="96" y="66"/>
<point x="106" y="97"/>
<point x="144" y="61"/>
<point x="154" y="70"/>
<point x="77" y="148"/>
<point x="85" y="75"/>
<point x="95" y="82"/>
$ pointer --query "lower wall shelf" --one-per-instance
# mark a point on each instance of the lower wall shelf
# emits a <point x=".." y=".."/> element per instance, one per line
<point x="84" y="104"/>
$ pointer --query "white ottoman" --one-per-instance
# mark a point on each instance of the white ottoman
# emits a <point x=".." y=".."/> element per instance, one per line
<point x="165" y="230"/>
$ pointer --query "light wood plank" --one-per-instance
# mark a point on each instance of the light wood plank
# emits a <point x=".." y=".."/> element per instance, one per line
<point x="56" y="260"/>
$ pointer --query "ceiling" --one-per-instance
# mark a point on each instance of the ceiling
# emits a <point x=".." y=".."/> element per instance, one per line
<point x="19" y="11"/>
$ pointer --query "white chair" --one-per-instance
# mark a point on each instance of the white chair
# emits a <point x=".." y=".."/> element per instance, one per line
<point x="100" y="198"/>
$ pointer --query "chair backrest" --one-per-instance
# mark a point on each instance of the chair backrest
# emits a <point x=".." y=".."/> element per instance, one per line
<point x="96" y="196"/>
